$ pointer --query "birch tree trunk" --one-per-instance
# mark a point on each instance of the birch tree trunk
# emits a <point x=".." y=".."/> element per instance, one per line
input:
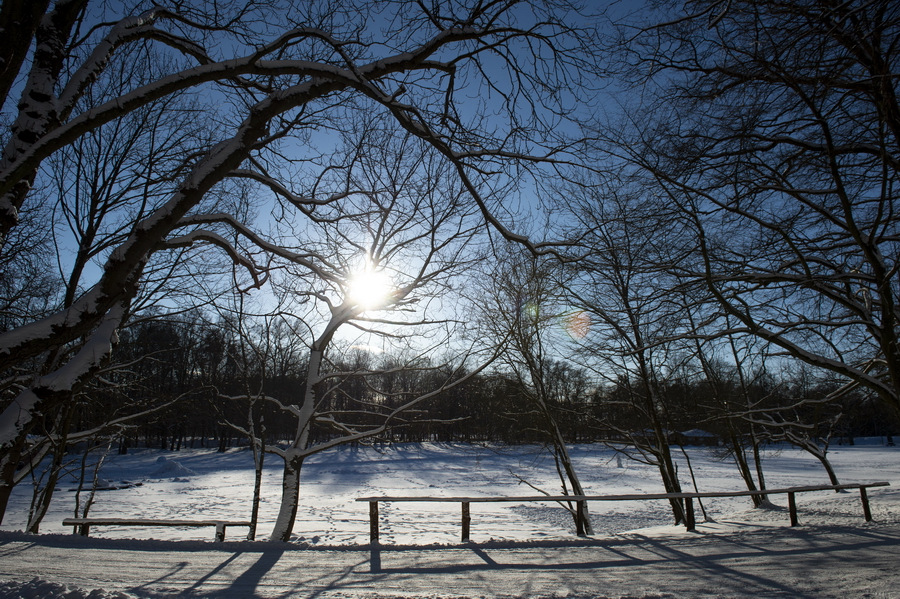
<point x="304" y="412"/>
<point x="290" y="500"/>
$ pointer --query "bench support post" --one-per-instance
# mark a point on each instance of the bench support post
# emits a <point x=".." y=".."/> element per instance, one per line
<point x="792" y="507"/>
<point x="373" y="522"/>
<point x="690" y="521"/>
<point x="220" y="532"/>
<point x="84" y="530"/>
<point x="466" y="521"/>
<point x="865" y="501"/>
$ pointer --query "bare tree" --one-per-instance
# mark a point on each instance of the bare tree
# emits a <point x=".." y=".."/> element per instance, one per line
<point x="775" y="131"/>
<point x="253" y="359"/>
<point x="737" y="384"/>
<point x="804" y="411"/>
<point x="278" y="72"/>
<point x="101" y="184"/>
<point x="379" y="260"/>
<point x="520" y="310"/>
<point x="631" y="325"/>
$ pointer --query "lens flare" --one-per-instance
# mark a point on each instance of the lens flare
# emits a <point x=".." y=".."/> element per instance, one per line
<point x="576" y="323"/>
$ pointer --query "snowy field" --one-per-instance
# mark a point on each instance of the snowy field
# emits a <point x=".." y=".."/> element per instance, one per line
<point x="834" y="542"/>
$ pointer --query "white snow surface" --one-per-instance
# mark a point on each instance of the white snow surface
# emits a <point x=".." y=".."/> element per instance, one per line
<point x="170" y="469"/>
<point x="518" y="550"/>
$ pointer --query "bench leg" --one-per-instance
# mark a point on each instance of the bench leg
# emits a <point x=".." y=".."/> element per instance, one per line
<point x="84" y="530"/>
<point x="373" y="522"/>
<point x="466" y="521"/>
<point x="865" y="501"/>
<point x="220" y="532"/>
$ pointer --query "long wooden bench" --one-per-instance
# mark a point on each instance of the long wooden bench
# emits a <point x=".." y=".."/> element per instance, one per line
<point x="580" y="500"/>
<point x="83" y="525"/>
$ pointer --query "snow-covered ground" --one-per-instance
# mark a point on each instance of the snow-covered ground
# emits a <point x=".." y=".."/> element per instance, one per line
<point x="522" y="541"/>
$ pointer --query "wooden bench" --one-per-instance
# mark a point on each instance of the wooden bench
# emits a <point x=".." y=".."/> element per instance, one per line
<point x="580" y="500"/>
<point x="83" y="525"/>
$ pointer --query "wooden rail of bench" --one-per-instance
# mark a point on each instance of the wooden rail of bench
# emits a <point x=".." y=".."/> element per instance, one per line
<point x="83" y="525"/>
<point x="580" y="500"/>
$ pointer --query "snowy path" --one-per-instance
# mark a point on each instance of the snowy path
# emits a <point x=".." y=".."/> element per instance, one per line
<point x="747" y="561"/>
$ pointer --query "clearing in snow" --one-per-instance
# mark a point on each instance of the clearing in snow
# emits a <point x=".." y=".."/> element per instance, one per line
<point x="518" y="550"/>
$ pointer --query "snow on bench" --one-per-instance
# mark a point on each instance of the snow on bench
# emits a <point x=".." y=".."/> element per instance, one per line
<point x="580" y="500"/>
<point x="84" y="524"/>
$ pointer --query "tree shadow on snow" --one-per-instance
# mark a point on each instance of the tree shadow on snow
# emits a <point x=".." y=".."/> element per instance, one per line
<point x="771" y="562"/>
<point x="739" y="563"/>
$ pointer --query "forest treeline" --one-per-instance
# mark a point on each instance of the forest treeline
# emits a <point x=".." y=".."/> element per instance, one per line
<point x="197" y="364"/>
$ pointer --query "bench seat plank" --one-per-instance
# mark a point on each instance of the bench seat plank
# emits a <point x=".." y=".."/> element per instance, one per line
<point x="85" y="524"/>
<point x="146" y="522"/>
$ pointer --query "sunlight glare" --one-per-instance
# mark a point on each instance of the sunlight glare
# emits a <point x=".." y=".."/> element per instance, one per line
<point x="370" y="289"/>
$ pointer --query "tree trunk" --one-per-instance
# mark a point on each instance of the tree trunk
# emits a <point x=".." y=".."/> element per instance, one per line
<point x="821" y="454"/>
<point x="740" y="459"/>
<point x="59" y="456"/>
<point x="43" y="498"/>
<point x="562" y="454"/>
<point x="832" y="476"/>
<point x="667" y="469"/>
<point x="290" y="497"/>
<point x="669" y="475"/>
<point x="8" y="464"/>
<point x="757" y="459"/>
<point x="259" y="455"/>
<point x="687" y="460"/>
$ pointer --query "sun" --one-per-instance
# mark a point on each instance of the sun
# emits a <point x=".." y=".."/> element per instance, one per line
<point x="370" y="289"/>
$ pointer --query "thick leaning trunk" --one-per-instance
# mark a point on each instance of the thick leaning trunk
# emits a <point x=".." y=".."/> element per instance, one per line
<point x="669" y="474"/>
<point x="563" y="456"/>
